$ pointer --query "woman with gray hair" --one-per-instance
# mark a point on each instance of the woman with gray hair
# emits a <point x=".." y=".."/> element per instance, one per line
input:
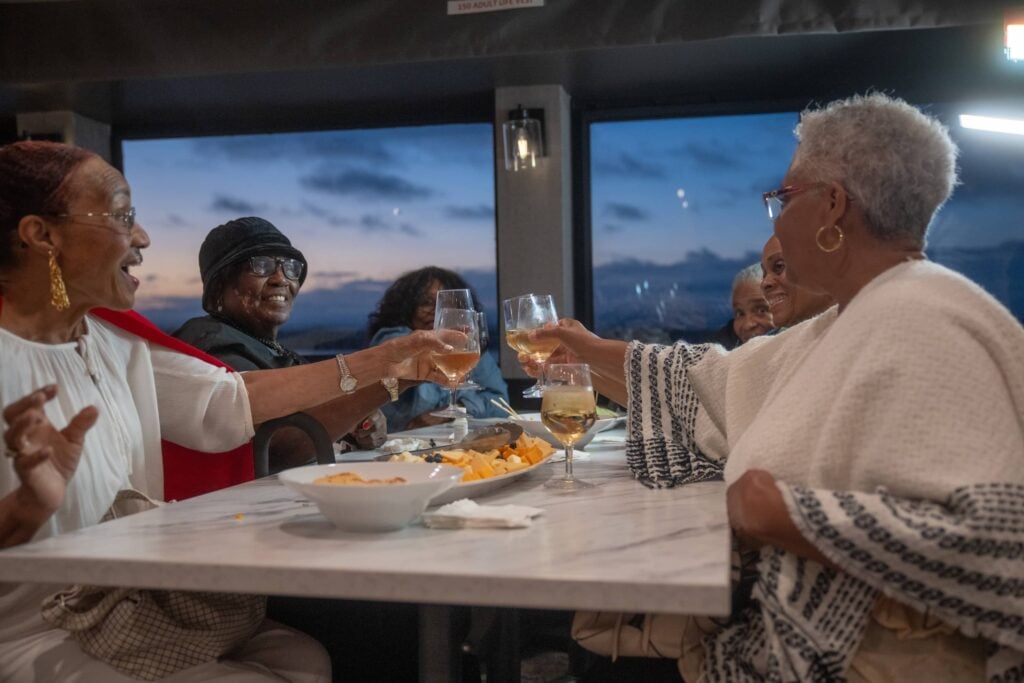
<point x="751" y="316"/>
<point x="874" y="453"/>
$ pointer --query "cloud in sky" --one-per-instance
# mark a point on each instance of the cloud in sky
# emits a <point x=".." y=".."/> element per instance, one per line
<point x="479" y="212"/>
<point x="628" y="165"/>
<point x="374" y="223"/>
<point x="612" y="228"/>
<point x="365" y="184"/>
<point x="708" y="156"/>
<point x="335" y="274"/>
<point x="176" y="220"/>
<point x="225" y="204"/>
<point x="297" y="147"/>
<point x="626" y="212"/>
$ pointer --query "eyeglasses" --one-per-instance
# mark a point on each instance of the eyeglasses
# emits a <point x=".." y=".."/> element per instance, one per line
<point x="265" y="266"/>
<point x="775" y="201"/>
<point x="125" y="218"/>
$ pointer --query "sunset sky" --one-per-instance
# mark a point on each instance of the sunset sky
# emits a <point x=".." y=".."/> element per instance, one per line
<point x="367" y="205"/>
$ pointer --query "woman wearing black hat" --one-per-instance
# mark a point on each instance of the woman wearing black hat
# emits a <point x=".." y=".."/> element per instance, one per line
<point x="251" y="275"/>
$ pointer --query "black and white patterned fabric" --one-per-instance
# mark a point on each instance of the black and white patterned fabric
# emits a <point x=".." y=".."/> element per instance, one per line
<point x="660" y="446"/>
<point x="961" y="561"/>
<point x="804" y="624"/>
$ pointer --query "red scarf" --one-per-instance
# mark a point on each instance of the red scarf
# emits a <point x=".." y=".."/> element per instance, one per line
<point x="187" y="472"/>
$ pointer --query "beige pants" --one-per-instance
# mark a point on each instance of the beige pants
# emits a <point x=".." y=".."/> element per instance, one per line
<point x="899" y="645"/>
<point x="275" y="653"/>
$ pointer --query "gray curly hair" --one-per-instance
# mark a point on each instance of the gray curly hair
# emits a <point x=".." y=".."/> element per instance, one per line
<point x="898" y="163"/>
<point x="751" y="273"/>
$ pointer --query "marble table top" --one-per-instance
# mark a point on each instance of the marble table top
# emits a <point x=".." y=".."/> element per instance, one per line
<point x="619" y="546"/>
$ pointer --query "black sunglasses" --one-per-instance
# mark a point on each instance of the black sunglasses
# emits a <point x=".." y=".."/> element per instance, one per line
<point x="265" y="266"/>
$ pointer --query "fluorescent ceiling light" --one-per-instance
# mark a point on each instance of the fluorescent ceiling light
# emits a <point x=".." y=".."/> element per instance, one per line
<point x="1012" y="126"/>
<point x="1015" y="42"/>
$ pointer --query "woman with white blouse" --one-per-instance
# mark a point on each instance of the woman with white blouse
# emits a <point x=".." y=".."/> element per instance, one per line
<point x="87" y="402"/>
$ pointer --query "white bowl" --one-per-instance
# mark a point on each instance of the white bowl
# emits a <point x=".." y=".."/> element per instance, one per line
<point x="531" y="424"/>
<point x="382" y="507"/>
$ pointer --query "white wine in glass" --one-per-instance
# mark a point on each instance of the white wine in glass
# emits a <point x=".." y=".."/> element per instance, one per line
<point x="522" y="315"/>
<point x="568" y="410"/>
<point x="481" y="323"/>
<point x="458" y="328"/>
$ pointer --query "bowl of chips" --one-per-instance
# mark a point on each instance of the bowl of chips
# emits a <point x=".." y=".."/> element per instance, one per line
<point x="371" y="496"/>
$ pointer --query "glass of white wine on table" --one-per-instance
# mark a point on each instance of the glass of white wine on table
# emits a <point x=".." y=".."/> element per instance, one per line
<point x="523" y="314"/>
<point x="458" y="328"/>
<point x="568" y="410"/>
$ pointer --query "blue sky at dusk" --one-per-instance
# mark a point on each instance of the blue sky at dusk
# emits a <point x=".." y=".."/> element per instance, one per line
<point x="364" y="204"/>
<point x="680" y="195"/>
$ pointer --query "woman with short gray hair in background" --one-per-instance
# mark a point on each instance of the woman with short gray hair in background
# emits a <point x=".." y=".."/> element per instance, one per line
<point x="751" y="316"/>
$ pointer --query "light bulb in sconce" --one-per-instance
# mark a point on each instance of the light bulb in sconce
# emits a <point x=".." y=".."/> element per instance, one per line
<point x="523" y="137"/>
<point x="523" y="146"/>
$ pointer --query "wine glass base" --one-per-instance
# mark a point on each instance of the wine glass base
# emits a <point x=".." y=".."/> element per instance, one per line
<point x="563" y="483"/>
<point x="533" y="392"/>
<point x="449" y="413"/>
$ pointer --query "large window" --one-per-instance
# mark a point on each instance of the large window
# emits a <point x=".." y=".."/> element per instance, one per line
<point x="676" y="212"/>
<point x="364" y="206"/>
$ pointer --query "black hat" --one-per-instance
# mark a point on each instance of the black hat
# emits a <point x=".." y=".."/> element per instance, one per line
<point x="236" y="241"/>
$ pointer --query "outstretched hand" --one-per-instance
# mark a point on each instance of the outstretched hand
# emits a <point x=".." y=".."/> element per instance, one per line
<point x="572" y="339"/>
<point x="45" y="458"/>
<point x="409" y="357"/>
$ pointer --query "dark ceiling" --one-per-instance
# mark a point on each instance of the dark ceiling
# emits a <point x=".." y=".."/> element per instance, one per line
<point x="189" y="90"/>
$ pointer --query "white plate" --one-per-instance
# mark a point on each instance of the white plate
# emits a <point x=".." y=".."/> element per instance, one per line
<point x="472" y="489"/>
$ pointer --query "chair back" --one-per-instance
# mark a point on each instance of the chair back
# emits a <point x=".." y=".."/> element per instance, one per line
<point x="307" y="423"/>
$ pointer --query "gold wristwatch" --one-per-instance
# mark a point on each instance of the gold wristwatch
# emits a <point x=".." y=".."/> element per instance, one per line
<point x="348" y="383"/>
<point x="391" y="384"/>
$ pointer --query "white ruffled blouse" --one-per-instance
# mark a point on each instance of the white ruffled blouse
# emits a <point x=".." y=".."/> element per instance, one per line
<point x="143" y="393"/>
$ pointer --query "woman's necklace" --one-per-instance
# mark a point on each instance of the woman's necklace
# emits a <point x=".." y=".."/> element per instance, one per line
<point x="269" y="343"/>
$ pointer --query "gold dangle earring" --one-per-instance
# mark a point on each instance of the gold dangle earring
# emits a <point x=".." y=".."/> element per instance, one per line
<point x="839" y="242"/>
<point x="58" y="293"/>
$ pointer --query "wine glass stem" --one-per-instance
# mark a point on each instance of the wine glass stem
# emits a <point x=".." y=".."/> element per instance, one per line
<point x="451" y="395"/>
<point x="568" y="462"/>
<point x="536" y="385"/>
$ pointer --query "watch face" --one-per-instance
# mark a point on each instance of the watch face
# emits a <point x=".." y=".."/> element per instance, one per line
<point x="348" y="384"/>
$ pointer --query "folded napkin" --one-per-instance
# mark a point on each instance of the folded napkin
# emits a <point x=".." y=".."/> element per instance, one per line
<point x="466" y="513"/>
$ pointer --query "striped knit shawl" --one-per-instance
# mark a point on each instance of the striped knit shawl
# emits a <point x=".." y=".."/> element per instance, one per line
<point x="952" y="547"/>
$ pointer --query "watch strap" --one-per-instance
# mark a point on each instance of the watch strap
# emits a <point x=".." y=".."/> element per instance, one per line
<point x="391" y="384"/>
<point x="346" y="382"/>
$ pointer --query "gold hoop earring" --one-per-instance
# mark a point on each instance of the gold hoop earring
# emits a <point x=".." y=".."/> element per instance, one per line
<point x="829" y="250"/>
<point x="58" y="293"/>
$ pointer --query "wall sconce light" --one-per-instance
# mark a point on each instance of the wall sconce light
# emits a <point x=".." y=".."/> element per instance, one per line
<point x="523" y="135"/>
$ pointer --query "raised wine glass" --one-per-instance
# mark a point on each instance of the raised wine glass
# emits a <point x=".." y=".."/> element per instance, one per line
<point x="525" y="313"/>
<point x="452" y="298"/>
<point x="568" y="410"/>
<point x="481" y="323"/>
<point x="458" y="328"/>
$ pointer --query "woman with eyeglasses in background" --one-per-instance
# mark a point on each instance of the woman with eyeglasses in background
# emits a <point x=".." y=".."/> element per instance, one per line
<point x="407" y="306"/>
<point x="251" y="276"/>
